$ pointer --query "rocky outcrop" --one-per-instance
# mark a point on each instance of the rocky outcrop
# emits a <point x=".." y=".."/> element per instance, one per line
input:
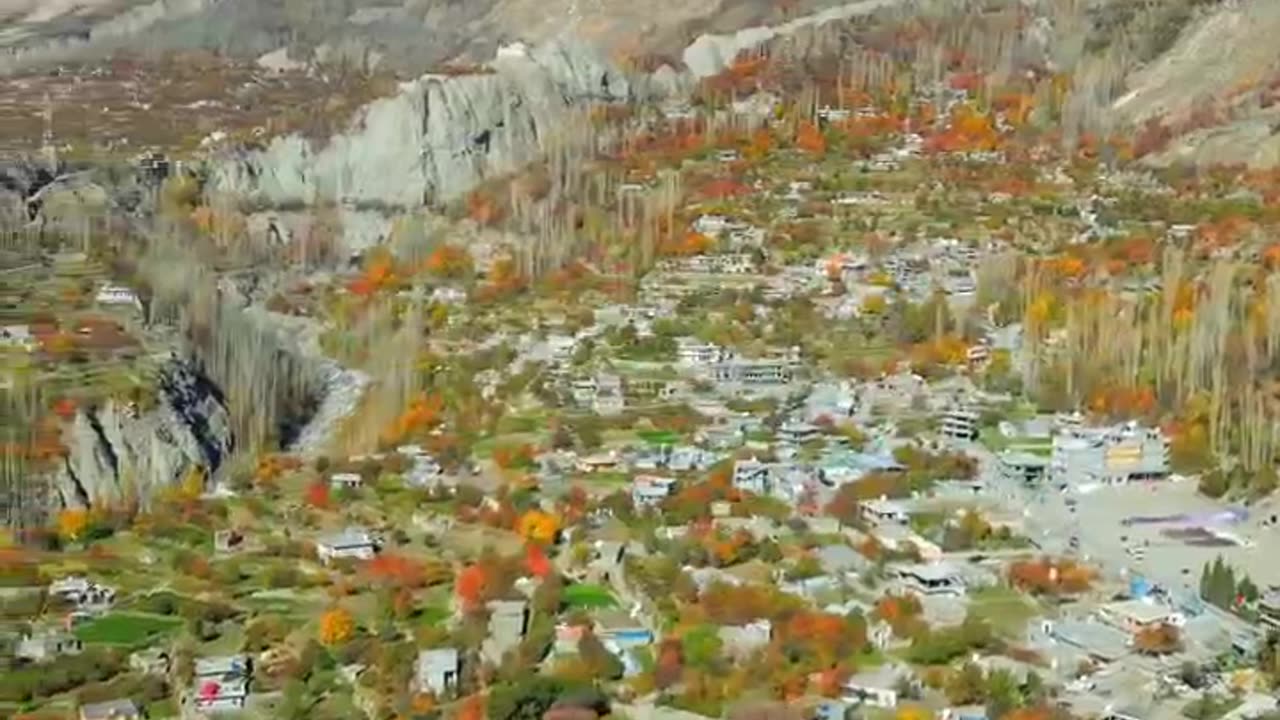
<point x="117" y="453"/>
<point x="712" y="53"/>
<point x="437" y="139"/>
<point x="67" y="38"/>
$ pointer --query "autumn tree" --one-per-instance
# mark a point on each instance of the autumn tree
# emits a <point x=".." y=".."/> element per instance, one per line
<point x="1161" y="639"/>
<point x="72" y="523"/>
<point x="538" y="526"/>
<point x="337" y="626"/>
<point x="810" y="139"/>
<point x="471" y="586"/>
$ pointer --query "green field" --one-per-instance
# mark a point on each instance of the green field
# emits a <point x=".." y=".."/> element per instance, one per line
<point x="586" y="595"/>
<point x="1005" y="609"/>
<point x="126" y="628"/>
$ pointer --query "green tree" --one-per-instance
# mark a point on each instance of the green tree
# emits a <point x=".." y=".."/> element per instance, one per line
<point x="526" y="699"/>
<point x="602" y="663"/>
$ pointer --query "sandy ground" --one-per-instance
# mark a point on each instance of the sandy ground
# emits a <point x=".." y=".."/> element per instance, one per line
<point x="1098" y="521"/>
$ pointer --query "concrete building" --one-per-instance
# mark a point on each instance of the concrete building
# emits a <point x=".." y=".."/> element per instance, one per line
<point x="123" y="709"/>
<point x="46" y="646"/>
<point x="876" y="688"/>
<point x="931" y="579"/>
<point x="959" y="424"/>
<point x="508" y="621"/>
<point x="1117" y="454"/>
<point x="692" y="352"/>
<point x="221" y="683"/>
<point x="436" y="671"/>
<point x="741" y="371"/>
<point x="355" y="543"/>
<point x="1024" y="466"/>
<point x="649" y="491"/>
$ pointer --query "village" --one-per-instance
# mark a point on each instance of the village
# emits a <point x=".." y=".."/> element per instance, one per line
<point x="815" y="454"/>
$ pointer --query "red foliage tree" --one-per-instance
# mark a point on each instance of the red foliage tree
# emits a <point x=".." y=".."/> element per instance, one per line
<point x="471" y="586"/>
<point x="317" y="494"/>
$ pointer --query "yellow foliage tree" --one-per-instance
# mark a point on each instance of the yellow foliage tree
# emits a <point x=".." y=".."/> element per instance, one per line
<point x="72" y="523"/>
<point x="336" y="627"/>
<point x="913" y="712"/>
<point x="538" y="526"/>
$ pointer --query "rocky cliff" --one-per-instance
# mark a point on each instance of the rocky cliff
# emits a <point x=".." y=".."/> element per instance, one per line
<point x="437" y="139"/>
<point x="117" y="452"/>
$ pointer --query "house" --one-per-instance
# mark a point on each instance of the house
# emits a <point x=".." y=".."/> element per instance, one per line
<point x="964" y="712"/>
<point x="221" y="683"/>
<point x="1140" y="614"/>
<point x="740" y="371"/>
<point x="228" y="541"/>
<point x="604" y="462"/>
<point x="937" y="579"/>
<point x="437" y="671"/>
<point x="876" y="688"/>
<point x="508" y="621"/>
<point x="117" y="295"/>
<point x="959" y="425"/>
<point x="1118" y="454"/>
<point x="885" y="511"/>
<point x="1102" y="643"/>
<point x="47" y="645"/>
<point x="150" y="661"/>
<point x="751" y="476"/>
<point x="18" y="337"/>
<point x="649" y="491"/>
<point x="123" y="709"/>
<point x="1024" y="467"/>
<point x="711" y="225"/>
<point x="353" y="542"/>
<point x="740" y="641"/>
<point x="82" y="592"/>
<point x="692" y="352"/>
<point x="346" y="481"/>
<point x="798" y="433"/>
<point x="1269" y="609"/>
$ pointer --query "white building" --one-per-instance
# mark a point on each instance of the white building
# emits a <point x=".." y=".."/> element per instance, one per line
<point x="1116" y="454"/>
<point x="691" y="352"/>
<point x="649" y="490"/>
<point x="355" y="543"/>
<point x="221" y="683"/>
<point x="346" y="480"/>
<point x="876" y="688"/>
<point x="18" y="337"/>
<point x="959" y="424"/>
<point x="117" y="295"/>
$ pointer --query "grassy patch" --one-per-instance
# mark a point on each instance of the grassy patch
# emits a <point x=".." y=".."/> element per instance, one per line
<point x="659" y="437"/>
<point x="586" y="595"/>
<point x="434" y="615"/>
<point x="1005" y="609"/>
<point x="1210" y="707"/>
<point x="126" y="628"/>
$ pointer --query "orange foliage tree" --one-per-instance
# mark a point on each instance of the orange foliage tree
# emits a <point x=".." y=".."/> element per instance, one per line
<point x="1048" y="577"/>
<point x="535" y="561"/>
<point x="397" y="571"/>
<point x="72" y="523"/>
<point x="378" y="274"/>
<point x="449" y="261"/>
<point x="471" y="586"/>
<point x="538" y="527"/>
<point x="1161" y="639"/>
<point x="337" y="626"/>
<point x="424" y="412"/>
<point x="810" y="139"/>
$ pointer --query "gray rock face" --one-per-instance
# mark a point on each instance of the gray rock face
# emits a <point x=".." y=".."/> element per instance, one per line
<point x="436" y="140"/>
<point x="116" y="454"/>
